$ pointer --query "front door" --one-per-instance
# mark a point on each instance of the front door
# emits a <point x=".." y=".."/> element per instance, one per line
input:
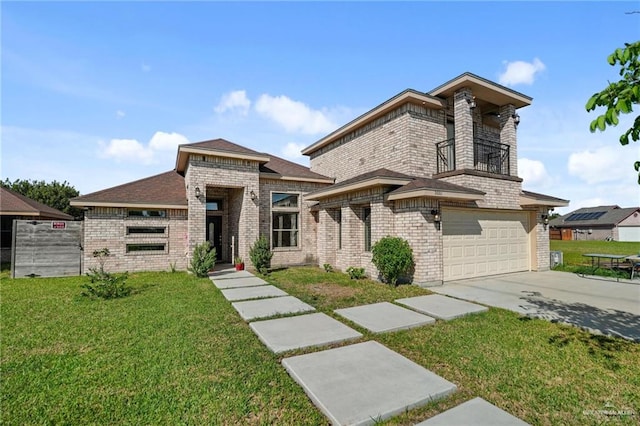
<point x="214" y="234"/>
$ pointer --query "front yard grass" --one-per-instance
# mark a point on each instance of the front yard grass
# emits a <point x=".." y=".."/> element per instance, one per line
<point x="572" y="251"/>
<point x="176" y="352"/>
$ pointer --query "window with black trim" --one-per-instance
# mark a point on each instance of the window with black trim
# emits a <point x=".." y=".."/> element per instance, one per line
<point x="145" y="230"/>
<point x="146" y="213"/>
<point x="146" y="248"/>
<point x="285" y="214"/>
<point x="366" y="220"/>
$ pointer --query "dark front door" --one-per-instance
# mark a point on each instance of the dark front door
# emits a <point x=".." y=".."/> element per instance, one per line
<point x="214" y="234"/>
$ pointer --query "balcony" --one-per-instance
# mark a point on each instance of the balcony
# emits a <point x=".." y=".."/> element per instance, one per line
<point x="488" y="156"/>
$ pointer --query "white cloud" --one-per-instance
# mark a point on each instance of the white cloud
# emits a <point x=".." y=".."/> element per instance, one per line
<point x="120" y="114"/>
<point x="603" y="164"/>
<point x="294" y="116"/>
<point x="234" y="101"/>
<point x="130" y="150"/>
<point x="292" y="150"/>
<point x="533" y="172"/>
<point x="521" y="72"/>
<point x="162" y="141"/>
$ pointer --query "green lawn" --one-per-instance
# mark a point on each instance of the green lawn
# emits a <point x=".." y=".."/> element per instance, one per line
<point x="573" y="251"/>
<point x="175" y="352"/>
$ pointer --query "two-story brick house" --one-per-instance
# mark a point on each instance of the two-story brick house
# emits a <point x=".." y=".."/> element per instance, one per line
<point x="438" y="169"/>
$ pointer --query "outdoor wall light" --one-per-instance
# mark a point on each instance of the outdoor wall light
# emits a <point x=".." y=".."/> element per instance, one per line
<point x="544" y="220"/>
<point x="436" y="218"/>
<point x="472" y="102"/>
<point x="253" y="195"/>
<point x="516" y="118"/>
<point x="198" y="192"/>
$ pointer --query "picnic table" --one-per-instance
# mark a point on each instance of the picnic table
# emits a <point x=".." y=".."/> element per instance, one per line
<point x="614" y="261"/>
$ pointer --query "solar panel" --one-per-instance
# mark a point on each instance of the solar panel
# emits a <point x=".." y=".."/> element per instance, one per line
<point x="584" y="216"/>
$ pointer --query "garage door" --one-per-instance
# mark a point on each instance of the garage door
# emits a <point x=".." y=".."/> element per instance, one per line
<point x="477" y="243"/>
<point x="629" y="233"/>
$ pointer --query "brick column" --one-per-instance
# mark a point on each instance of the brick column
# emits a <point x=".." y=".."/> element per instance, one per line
<point x="463" y="122"/>
<point x="508" y="136"/>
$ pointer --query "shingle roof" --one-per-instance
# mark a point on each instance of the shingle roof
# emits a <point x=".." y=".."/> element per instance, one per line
<point x="593" y="216"/>
<point x="435" y="184"/>
<point x="163" y="189"/>
<point x="543" y="196"/>
<point x="13" y="203"/>
<point x="284" y="167"/>
<point x="378" y="173"/>
<point x="223" y="145"/>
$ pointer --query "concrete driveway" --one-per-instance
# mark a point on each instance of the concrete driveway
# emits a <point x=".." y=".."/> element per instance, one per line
<point x="598" y="304"/>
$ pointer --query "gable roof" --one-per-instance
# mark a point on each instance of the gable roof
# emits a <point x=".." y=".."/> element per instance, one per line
<point x="483" y="89"/>
<point x="279" y="168"/>
<point x="370" y="179"/>
<point x="435" y="188"/>
<point x="217" y="147"/>
<point x="14" y="204"/>
<point x="594" y="216"/>
<point x="166" y="190"/>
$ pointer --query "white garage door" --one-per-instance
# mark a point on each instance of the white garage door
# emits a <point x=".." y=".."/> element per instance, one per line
<point x="629" y="233"/>
<point x="477" y="243"/>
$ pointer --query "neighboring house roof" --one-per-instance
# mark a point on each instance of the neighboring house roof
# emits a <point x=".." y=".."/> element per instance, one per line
<point x="594" y="216"/>
<point x="288" y="170"/>
<point x="166" y="190"/>
<point x="14" y="204"/>
<point x="528" y="198"/>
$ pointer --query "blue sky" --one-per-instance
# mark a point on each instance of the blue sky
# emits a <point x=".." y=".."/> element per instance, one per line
<point x="99" y="94"/>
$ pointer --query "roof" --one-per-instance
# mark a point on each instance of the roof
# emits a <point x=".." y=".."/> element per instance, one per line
<point x="528" y="198"/>
<point x="217" y="147"/>
<point x="166" y="190"/>
<point x="594" y="216"/>
<point x="14" y="204"/>
<point x="408" y="187"/>
<point x="434" y="188"/>
<point x="288" y="170"/>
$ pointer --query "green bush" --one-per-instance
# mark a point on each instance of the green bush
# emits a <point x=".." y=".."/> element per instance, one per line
<point x="105" y="285"/>
<point x="260" y="255"/>
<point x="355" y="273"/>
<point x="327" y="267"/>
<point x="393" y="257"/>
<point x="203" y="259"/>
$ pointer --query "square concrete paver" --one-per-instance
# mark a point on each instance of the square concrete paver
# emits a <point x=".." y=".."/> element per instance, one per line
<point x="475" y="412"/>
<point x="229" y="274"/>
<point x="365" y="382"/>
<point x="283" y="334"/>
<point x="385" y="316"/>
<point x="254" y="309"/>
<point x="238" y="282"/>
<point x="441" y="307"/>
<point x="246" y="293"/>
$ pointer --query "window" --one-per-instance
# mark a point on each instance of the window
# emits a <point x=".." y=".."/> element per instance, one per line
<point x="284" y="223"/>
<point x="339" y="220"/>
<point x="145" y="230"/>
<point x="214" y="205"/>
<point x="147" y="213"/>
<point x="145" y="247"/>
<point x="366" y="219"/>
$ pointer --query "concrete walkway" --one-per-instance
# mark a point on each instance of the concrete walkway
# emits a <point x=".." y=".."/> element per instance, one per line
<point x="357" y="384"/>
<point x="597" y="304"/>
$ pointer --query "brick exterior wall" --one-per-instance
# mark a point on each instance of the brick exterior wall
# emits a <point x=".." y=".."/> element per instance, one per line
<point x="107" y="227"/>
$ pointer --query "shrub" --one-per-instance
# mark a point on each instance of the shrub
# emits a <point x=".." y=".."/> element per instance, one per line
<point x="355" y="273"/>
<point x="260" y="255"/>
<point x="203" y="259"/>
<point x="393" y="257"/>
<point x="327" y="267"/>
<point x="103" y="284"/>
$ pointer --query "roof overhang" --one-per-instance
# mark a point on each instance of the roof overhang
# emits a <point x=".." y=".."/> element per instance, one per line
<point x="184" y="151"/>
<point x="34" y="213"/>
<point x="129" y="205"/>
<point x="483" y="89"/>
<point x="276" y="176"/>
<point x="355" y="186"/>
<point x="435" y="193"/>
<point x="408" y="96"/>
<point x="529" y="201"/>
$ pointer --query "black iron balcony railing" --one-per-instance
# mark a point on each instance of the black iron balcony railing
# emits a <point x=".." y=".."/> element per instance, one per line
<point x="491" y="157"/>
<point x="446" y="152"/>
